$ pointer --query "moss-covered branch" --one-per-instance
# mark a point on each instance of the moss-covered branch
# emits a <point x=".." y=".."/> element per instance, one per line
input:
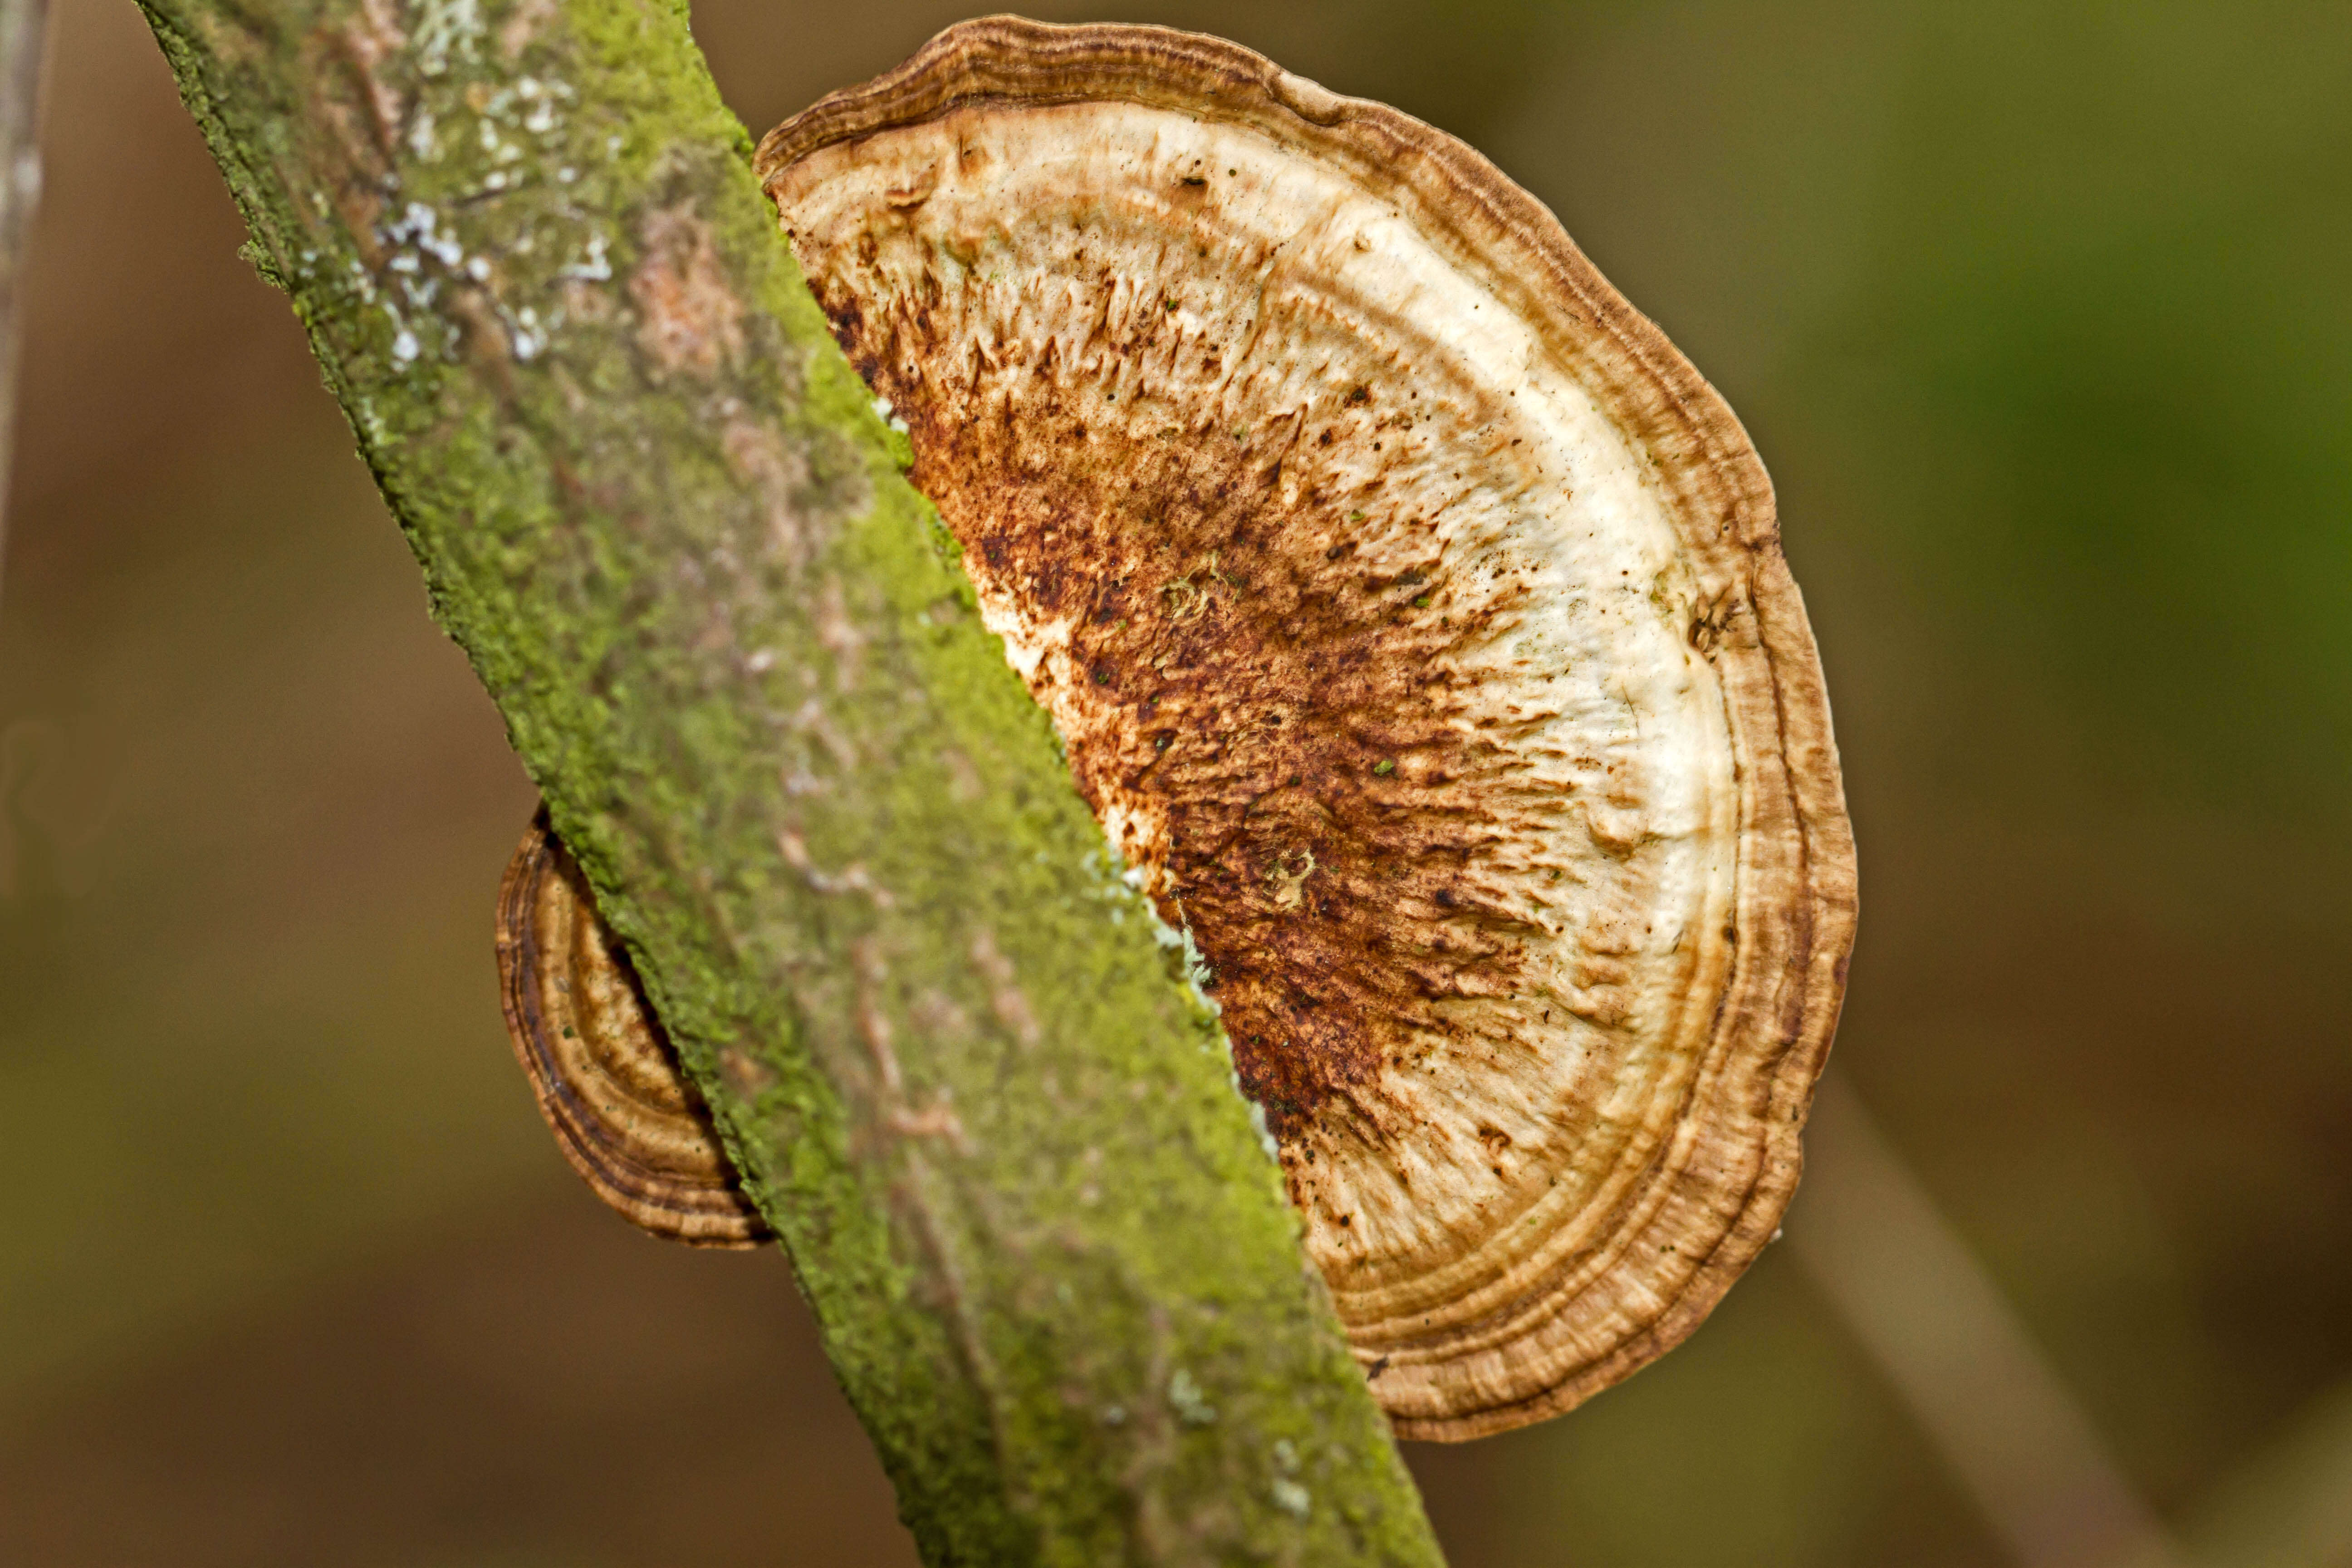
<point x="951" y="1050"/>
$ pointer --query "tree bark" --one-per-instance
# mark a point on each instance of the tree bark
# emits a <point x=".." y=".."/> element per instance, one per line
<point x="954" y="1055"/>
<point x="24" y="28"/>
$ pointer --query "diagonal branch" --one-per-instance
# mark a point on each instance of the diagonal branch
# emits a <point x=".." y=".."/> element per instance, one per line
<point x="1053" y="1268"/>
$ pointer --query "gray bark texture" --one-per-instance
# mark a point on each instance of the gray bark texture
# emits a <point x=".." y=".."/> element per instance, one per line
<point x="957" y="1060"/>
<point x="24" y="28"/>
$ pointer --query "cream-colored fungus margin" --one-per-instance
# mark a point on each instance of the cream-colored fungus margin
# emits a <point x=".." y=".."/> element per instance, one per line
<point x="1415" y="618"/>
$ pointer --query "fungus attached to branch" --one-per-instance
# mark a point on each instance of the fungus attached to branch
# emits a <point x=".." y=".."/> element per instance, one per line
<point x="606" y="1079"/>
<point x="1415" y="620"/>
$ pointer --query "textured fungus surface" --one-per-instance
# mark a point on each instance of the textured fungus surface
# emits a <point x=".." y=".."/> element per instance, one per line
<point x="1415" y="620"/>
<point x="605" y="1078"/>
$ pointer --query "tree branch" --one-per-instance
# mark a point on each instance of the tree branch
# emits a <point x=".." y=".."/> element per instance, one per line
<point x="949" y="1049"/>
<point x="23" y="30"/>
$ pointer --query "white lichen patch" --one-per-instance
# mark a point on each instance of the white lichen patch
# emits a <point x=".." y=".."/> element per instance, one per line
<point x="594" y="267"/>
<point x="471" y="256"/>
<point x="422" y="144"/>
<point x="1185" y="1398"/>
<point x="445" y="33"/>
<point x="888" y="415"/>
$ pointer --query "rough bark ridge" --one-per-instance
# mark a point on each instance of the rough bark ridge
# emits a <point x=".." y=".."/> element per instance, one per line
<point x="949" y="1048"/>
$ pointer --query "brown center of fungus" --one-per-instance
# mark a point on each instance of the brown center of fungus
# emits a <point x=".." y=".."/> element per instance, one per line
<point x="1415" y="621"/>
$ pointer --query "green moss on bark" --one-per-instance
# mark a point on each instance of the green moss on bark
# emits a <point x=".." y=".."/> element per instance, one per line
<point x="951" y="1050"/>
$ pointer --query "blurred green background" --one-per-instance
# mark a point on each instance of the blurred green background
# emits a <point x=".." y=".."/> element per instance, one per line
<point x="2041" y="315"/>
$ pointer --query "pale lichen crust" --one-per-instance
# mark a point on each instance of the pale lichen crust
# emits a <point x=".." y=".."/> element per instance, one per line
<point x="1415" y="619"/>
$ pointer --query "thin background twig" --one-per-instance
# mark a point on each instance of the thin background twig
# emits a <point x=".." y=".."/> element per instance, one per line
<point x="23" y="27"/>
<point x="2015" y="1436"/>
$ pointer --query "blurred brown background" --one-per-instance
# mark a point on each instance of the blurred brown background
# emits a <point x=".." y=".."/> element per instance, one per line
<point x="2042" y="314"/>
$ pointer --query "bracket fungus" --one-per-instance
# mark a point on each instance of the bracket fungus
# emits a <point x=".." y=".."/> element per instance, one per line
<point x="1415" y="619"/>
<point x="605" y="1077"/>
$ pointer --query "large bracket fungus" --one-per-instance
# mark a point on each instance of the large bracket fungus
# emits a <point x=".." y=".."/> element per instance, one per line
<point x="1415" y="620"/>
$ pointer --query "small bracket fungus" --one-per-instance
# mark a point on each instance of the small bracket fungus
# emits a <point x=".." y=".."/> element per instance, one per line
<point x="1415" y="621"/>
<point x="606" y="1079"/>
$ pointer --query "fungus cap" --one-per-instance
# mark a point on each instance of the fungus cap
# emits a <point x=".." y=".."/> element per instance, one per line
<point x="624" y="1115"/>
<point x="1415" y="619"/>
